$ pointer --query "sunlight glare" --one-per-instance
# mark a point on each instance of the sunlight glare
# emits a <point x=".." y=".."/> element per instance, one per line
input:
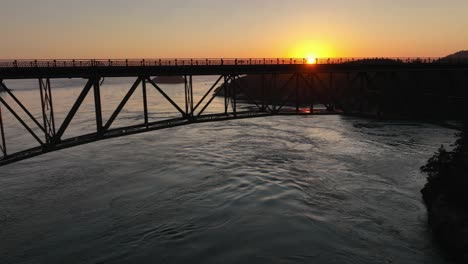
<point x="311" y="50"/>
<point x="311" y="60"/>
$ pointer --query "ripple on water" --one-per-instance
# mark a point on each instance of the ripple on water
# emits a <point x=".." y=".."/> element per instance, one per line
<point x="275" y="190"/>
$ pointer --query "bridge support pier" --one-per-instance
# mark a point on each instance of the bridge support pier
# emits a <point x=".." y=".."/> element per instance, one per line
<point x="264" y="100"/>
<point x="274" y="97"/>
<point x="234" y="95"/>
<point x="297" y="92"/>
<point x="189" y="96"/>
<point x="226" y="93"/>
<point x="312" y="88"/>
<point x="97" y="105"/>
<point x="145" y="102"/>
<point x="311" y="85"/>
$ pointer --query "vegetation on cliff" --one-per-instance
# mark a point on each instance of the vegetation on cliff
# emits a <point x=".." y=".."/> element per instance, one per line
<point x="446" y="198"/>
<point x="447" y="175"/>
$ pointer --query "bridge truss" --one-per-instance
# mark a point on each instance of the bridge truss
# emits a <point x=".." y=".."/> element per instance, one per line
<point x="229" y="86"/>
<point x="308" y="88"/>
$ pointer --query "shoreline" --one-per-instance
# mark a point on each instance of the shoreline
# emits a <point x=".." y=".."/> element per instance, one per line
<point x="446" y="200"/>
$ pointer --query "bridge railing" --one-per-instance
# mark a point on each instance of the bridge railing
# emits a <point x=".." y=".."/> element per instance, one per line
<point x="214" y="61"/>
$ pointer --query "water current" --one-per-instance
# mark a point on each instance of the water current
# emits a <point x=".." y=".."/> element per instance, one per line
<point x="282" y="189"/>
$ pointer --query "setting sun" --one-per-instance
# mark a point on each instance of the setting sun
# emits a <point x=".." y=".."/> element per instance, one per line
<point x="311" y="60"/>
<point x="311" y="50"/>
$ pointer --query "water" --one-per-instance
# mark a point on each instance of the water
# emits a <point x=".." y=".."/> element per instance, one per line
<point x="316" y="189"/>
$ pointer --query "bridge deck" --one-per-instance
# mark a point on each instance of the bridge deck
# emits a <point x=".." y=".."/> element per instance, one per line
<point x="124" y="68"/>
<point x="303" y="88"/>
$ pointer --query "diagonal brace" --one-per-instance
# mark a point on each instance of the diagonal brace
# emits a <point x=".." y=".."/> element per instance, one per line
<point x="21" y="121"/>
<point x="208" y="92"/>
<point x="73" y="110"/>
<point x="166" y="96"/>
<point x="122" y="104"/>
<point x="3" y="86"/>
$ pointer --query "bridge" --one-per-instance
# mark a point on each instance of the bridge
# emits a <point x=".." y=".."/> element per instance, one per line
<point x="288" y="86"/>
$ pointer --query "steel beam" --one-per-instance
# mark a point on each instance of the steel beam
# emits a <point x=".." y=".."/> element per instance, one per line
<point x="47" y="109"/>
<point x="73" y="111"/>
<point x="2" y="132"/>
<point x="191" y="95"/>
<point x="273" y="90"/>
<point x="21" y="121"/>
<point x="264" y="100"/>
<point x="277" y="108"/>
<point x="145" y="101"/>
<point x="186" y="95"/>
<point x="212" y="98"/>
<point x="3" y="86"/>
<point x="246" y="92"/>
<point x="234" y="96"/>
<point x="226" y="95"/>
<point x="208" y="92"/>
<point x="122" y="104"/>
<point x="290" y="95"/>
<point x="97" y="106"/>
<point x="311" y="85"/>
<point x="297" y="92"/>
<point x="166" y="96"/>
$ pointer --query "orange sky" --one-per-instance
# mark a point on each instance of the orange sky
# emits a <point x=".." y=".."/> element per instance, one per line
<point x="221" y="28"/>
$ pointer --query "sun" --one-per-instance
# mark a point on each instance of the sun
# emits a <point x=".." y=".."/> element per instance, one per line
<point x="311" y="50"/>
<point x="311" y="60"/>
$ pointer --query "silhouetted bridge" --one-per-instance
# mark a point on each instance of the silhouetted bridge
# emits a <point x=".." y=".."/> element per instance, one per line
<point x="287" y="86"/>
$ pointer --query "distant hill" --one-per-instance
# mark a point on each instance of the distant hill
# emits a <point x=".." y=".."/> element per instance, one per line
<point x="458" y="55"/>
<point x="461" y="56"/>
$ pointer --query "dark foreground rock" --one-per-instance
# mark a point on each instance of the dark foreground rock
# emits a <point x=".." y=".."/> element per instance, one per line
<point x="446" y="199"/>
<point x="449" y="225"/>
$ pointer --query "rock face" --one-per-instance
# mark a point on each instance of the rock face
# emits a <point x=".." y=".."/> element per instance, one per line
<point x="446" y="199"/>
<point x="449" y="225"/>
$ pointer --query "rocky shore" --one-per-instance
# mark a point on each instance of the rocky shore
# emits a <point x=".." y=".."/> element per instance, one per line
<point x="446" y="199"/>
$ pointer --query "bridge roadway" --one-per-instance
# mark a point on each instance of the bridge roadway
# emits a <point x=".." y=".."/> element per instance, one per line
<point x="34" y="69"/>
<point x="229" y="72"/>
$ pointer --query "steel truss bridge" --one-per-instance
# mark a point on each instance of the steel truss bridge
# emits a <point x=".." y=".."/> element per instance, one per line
<point x="50" y="138"/>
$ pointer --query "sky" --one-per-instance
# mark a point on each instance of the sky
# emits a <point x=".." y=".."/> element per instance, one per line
<point x="101" y="29"/>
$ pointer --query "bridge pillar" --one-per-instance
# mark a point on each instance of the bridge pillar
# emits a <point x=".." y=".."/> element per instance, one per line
<point x="188" y="96"/>
<point x="230" y="95"/>
<point x="263" y="94"/>
<point x="227" y="94"/>
<point x="334" y="93"/>
<point x="274" y="95"/>
<point x="234" y="90"/>
<point x="297" y="92"/>
<point x="145" y="100"/>
<point x="311" y="92"/>
<point x="47" y="109"/>
<point x="97" y="105"/>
